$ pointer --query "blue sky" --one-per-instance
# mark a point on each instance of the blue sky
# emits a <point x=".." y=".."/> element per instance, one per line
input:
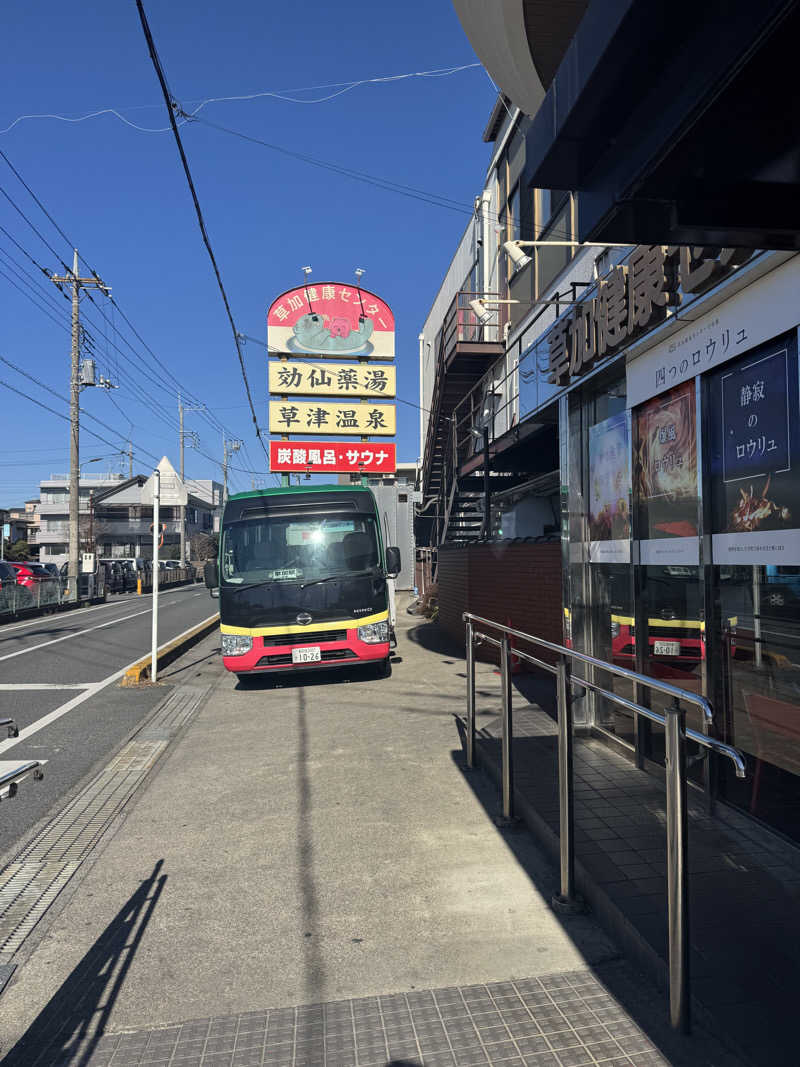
<point x="121" y="196"/>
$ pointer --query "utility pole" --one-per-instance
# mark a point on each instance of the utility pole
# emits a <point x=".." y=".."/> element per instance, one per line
<point x="73" y="279"/>
<point x="228" y="448"/>
<point x="182" y="435"/>
<point x="130" y="459"/>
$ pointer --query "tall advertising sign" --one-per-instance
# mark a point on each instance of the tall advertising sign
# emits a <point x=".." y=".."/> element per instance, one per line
<point x="665" y="475"/>
<point x="610" y="491"/>
<point x="324" y="322"/>
<point x="755" y="458"/>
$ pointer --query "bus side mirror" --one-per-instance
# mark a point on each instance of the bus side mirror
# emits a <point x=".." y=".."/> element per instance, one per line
<point x="393" y="564"/>
<point x="211" y="574"/>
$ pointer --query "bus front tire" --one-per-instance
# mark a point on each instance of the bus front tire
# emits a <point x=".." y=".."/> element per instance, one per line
<point x="383" y="669"/>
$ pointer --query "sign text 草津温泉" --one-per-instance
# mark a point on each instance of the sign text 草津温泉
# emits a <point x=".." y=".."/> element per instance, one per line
<point x="319" y="417"/>
<point x="331" y="379"/>
<point x="332" y="457"/>
<point x="631" y="299"/>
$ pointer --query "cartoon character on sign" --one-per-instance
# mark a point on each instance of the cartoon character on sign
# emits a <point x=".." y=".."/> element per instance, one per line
<point x="313" y="335"/>
<point x="339" y="327"/>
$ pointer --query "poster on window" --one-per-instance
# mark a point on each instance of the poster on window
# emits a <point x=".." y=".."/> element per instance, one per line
<point x="755" y="435"/>
<point x="610" y="491"/>
<point x="665" y="479"/>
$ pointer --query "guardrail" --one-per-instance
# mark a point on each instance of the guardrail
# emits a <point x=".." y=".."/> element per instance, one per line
<point x="12" y="773"/>
<point x="676" y="735"/>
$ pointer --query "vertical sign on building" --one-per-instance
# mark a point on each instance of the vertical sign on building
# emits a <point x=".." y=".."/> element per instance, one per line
<point x="755" y="442"/>
<point x="327" y="321"/>
<point x="610" y="491"/>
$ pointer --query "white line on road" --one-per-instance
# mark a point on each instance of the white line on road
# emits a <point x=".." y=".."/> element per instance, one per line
<point x="45" y="620"/>
<point x="91" y="690"/>
<point x="68" y="637"/>
<point x="14" y="686"/>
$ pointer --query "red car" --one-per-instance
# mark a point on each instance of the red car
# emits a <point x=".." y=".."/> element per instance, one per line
<point x="39" y="582"/>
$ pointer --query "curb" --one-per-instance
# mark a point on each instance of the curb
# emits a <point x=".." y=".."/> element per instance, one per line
<point x="140" y="671"/>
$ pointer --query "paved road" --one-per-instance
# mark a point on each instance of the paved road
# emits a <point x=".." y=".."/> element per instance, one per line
<point x="58" y="678"/>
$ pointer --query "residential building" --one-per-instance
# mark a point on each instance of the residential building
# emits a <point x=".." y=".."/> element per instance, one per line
<point x="116" y="513"/>
<point x="54" y="511"/>
<point x="123" y="514"/>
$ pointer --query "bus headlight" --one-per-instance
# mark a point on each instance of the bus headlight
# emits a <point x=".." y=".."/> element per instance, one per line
<point x="374" y="633"/>
<point x="236" y="644"/>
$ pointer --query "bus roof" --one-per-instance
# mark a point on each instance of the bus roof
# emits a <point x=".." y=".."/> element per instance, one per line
<point x="290" y="490"/>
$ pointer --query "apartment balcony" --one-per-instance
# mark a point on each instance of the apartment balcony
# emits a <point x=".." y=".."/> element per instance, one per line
<point x="467" y="349"/>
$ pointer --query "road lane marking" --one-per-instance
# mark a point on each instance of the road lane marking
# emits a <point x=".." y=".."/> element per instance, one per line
<point x="14" y="686"/>
<point x="91" y="689"/>
<point x="68" y="637"/>
<point x="44" y="620"/>
<point x="80" y="633"/>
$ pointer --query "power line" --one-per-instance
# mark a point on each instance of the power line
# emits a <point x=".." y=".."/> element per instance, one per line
<point x="171" y="109"/>
<point x="386" y="184"/>
<point x="162" y="377"/>
<point x="279" y="94"/>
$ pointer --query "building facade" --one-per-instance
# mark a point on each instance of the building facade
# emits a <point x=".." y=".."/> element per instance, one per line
<point x="116" y="514"/>
<point x="396" y="496"/>
<point x="640" y="406"/>
<point x="53" y="538"/>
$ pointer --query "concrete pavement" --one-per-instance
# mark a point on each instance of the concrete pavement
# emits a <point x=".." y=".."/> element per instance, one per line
<point x="302" y="843"/>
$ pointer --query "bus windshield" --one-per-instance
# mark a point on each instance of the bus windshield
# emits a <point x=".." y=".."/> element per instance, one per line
<point x="297" y="548"/>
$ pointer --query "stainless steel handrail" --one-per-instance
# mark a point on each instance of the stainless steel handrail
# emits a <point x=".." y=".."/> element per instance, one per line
<point x="9" y="782"/>
<point x="676" y="735"/>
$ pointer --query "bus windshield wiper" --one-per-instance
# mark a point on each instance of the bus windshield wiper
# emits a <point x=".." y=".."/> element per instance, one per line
<point x="315" y="581"/>
<point x="336" y="577"/>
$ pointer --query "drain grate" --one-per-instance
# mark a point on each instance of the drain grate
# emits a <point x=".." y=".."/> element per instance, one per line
<point x="30" y="884"/>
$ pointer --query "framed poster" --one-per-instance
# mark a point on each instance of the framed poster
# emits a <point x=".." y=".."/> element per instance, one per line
<point x="755" y="448"/>
<point x="665" y="479"/>
<point x="610" y="491"/>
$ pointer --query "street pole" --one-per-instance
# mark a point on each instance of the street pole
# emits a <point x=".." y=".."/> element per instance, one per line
<point x="228" y="448"/>
<point x="156" y="539"/>
<point x="75" y="281"/>
<point x="182" y="506"/>
<point x="74" y="436"/>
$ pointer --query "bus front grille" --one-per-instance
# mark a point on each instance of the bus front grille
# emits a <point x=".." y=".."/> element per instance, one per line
<point x="328" y="654"/>
<point x="312" y="637"/>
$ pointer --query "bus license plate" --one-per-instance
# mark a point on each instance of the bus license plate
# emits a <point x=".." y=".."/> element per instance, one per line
<point x="312" y="654"/>
<point x="667" y="648"/>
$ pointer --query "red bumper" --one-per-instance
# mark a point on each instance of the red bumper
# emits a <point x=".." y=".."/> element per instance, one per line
<point x="264" y="658"/>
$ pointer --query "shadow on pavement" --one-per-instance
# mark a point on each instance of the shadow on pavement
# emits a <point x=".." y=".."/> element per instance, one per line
<point x="646" y="1005"/>
<point x="304" y="679"/>
<point x="67" y="1030"/>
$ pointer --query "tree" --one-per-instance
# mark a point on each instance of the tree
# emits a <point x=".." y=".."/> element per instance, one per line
<point x="205" y="546"/>
<point x="17" y="550"/>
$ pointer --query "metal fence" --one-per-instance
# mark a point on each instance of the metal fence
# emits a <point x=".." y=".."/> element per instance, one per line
<point x="676" y="733"/>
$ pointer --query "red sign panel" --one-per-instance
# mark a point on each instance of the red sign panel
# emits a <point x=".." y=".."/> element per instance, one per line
<point x="331" y="319"/>
<point x="332" y="457"/>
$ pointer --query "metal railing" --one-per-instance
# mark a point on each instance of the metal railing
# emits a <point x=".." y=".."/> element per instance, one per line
<point x="11" y="774"/>
<point x="676" y="735"/>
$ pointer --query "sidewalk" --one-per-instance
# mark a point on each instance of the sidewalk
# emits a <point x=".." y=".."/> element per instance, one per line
<point x="744" y="883"/>
<point x="309" y="876"/>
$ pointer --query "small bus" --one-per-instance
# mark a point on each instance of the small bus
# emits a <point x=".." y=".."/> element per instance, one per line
<point x="302" y="579"/>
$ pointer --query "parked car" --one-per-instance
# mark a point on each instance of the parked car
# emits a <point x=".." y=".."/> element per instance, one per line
<point x="40" y="583"/>
<point x="12" y="595"/>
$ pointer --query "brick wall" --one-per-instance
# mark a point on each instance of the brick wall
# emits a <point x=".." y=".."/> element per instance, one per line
<point x="513" y="583"/>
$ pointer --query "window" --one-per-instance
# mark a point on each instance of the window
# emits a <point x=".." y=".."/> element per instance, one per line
<point x="552" y="259"/>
